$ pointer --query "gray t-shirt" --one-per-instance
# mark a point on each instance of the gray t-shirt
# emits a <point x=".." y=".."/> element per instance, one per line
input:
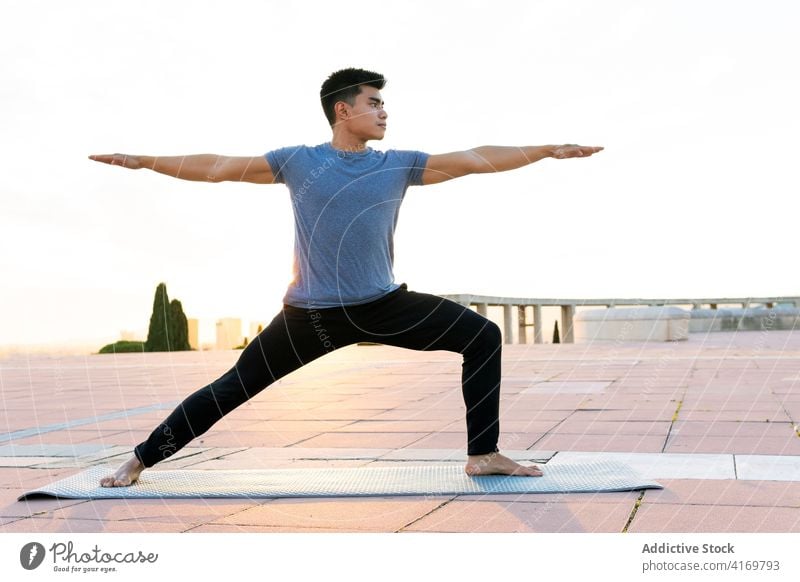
<point x="346" y="206"/>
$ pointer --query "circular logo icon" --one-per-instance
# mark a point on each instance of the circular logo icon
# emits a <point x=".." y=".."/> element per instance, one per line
<point x="31" y="555"/>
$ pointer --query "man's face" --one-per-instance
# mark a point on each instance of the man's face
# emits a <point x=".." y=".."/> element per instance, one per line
<point x="367" y="117"/>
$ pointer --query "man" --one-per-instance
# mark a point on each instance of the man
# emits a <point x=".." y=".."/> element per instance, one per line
<point x="346" y="197"/>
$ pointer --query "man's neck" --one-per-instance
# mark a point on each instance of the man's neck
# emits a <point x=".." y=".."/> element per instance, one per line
<point x="348" y="143"/>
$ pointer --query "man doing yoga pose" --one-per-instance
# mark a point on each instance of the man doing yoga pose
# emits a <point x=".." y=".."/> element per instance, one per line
<point x="346" y="197"/>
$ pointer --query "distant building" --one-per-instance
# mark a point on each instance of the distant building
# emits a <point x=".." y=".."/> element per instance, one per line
<point x="194" y="333"/>
<point x="254" y="325"/>
<point x="229" y="333"/>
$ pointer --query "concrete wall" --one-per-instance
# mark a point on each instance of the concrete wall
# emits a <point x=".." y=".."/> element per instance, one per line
<point x="632" y="324"/>
<point x="750" y="319"/>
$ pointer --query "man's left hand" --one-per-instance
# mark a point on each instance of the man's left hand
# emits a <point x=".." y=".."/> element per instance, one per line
<point x="572" y="150"/>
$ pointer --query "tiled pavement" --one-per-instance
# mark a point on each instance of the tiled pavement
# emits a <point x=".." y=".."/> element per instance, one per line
<point x="714" y="419"/>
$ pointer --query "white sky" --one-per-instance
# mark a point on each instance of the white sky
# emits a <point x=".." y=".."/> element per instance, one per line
<point x="694" y="196"/>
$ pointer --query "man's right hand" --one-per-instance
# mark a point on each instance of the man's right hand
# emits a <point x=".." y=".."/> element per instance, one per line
<point x="124" y="160"/>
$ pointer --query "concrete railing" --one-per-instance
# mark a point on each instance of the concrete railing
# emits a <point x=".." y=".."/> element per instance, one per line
<point x="509" y="304"/>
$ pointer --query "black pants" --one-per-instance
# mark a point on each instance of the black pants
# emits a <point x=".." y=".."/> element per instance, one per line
<point x="297" y="336"/>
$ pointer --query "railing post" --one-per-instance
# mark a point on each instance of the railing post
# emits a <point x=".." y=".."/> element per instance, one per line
<point x="507" y="327"/>
<point x="537" y="324"/>
<point x="482" y="309"/>
<point x="521" y="324"/>
<point x="567" y="314"/>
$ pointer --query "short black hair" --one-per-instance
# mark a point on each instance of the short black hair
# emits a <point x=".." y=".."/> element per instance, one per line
<point x="345" y="85"/>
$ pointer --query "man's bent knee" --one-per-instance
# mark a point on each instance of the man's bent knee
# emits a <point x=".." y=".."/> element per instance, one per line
<point x="491" y="334"/>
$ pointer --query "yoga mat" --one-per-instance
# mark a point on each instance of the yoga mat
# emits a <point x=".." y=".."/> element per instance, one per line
<point x="428" y="479"/>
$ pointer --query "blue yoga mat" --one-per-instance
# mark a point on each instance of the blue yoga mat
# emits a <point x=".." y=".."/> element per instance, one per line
<point x="428" y="479"/>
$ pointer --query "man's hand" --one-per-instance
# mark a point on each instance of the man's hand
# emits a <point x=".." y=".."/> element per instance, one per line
<point x="124" y="160"/>
<point x="572" y="150"/>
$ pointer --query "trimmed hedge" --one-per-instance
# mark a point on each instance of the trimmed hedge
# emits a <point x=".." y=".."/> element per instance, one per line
<point x="121" y="347"/>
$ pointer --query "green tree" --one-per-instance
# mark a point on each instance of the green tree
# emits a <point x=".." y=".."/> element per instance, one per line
<point x="178" y="328"/>
<point x="158" y="335"/>
<point x="169" y="328"/>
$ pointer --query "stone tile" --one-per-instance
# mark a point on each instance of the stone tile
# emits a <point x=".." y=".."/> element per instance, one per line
<point x="24" y="461"/>
<point x="293" y="426"/>
<point x="661" y="465"/>
<point x="768" y="467"/>
<point x="744" y="445"/>
<point x="542" y="455"/>
<point x="372" y="404"/>
<point x="613" y="497"/>
<point x="441" y="440"/>
<point x="510" y="382"/>
<point x="260" y="414"/>
<point x="179" y="461"/>
<point x="664" y="518"/>
<point x="50" y="525"/>
<point x="664" y="414"/>
<point x="537" y="401"/>
<point x="506" y="516"/>
<point x="10" y="507"/>
<point x="129" y="424"/>
<point x="454" y="404"/>
<point x="373" y="426"/>
<point x="232" y="528"/>
<point x="314" y="453"/>
<point x="601" y="443"/>
<point x="126" y="439"/>
<point x="748" y="402"/>
<point x="43" y="450"/>
<point x="187" y="512"/>
<point x="513" y="411"/>
<point x="734" y="415"/>
<point x="567" y="387"/>
<point x="517" y="440"/>
<point x="63" y="463"/>
<point x="449" y="454"/>
<point x="362" y="514"/>
<point x="417" y="463"/>
<point x="395" y="414"/>
<point x="731" y="428"/>
<point x="736" y="493"/>
<point x="31" y="477"/>
<point x="382" y="440"/>
<point x="250" y="463"/>
<point x="107" y="452"/>
<point x="327" y="414"/>
<point x="602" y="427"/>
<point x="254" y="439"/>
<point x="516" y="426"/>
<point x="426" y="454"/>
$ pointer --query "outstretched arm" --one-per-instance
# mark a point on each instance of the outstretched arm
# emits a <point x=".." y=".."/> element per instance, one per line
<point x="486" y="159"/>
<point x="199" y="167"/>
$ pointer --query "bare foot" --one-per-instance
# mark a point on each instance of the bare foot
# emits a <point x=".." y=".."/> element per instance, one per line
<point x="497" y="464"/>
<point x="127" y="474"/>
